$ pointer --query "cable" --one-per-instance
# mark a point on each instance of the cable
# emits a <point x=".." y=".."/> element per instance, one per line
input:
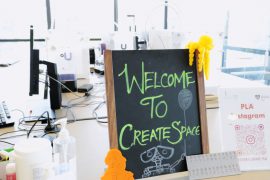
<point x="7" y="142"/>
<point x="90" y="119"/>
<point x="20" y="129"/>
<point x="70" y="89"/>
<point x="95" y="113"/>
<point x="68" y="106"/>
<point x="94" y="93"/>
<point x="28" y="118"/>
<point x="13" y="136"/>
<point x="22" y="122"/>
<point x="79" y="104"/>
<point x="9" y="137"/>
<point x="73" y="115"/>
<point x="62" y="85"/>
<point x="19" y="111"/>
<point x="102" y="122"/>
<point x="10" y="132"/>
<point x="48" y="133"/>
<point x="68" y="103"/>
<point x="41" y="116"/>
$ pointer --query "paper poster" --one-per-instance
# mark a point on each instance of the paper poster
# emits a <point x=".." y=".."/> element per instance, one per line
<point x="245" y="125"/>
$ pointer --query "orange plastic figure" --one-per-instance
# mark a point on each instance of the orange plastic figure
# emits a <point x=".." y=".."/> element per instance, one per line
<point x="204" y="46"/>
<point x="116" y="163"/>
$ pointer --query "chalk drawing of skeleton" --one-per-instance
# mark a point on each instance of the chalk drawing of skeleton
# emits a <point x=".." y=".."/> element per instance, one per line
<point x="156" y="155"/>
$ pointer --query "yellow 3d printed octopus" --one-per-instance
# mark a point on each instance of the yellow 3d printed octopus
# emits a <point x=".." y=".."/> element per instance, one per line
<point x="204" y="46"/>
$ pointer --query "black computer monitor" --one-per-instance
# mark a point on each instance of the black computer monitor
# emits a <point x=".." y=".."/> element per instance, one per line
<point x="51" y="74"/>
<point x="34" y="66"/>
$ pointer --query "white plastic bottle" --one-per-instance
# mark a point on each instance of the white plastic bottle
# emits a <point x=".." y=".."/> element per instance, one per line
<point x="64" y="152"/>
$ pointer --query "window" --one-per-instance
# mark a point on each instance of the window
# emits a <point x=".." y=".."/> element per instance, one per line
<point x="246" y="46"/>
<point x="17" y="16"/>
<point x="83" y="17"/>
<point x="241" y="30"/>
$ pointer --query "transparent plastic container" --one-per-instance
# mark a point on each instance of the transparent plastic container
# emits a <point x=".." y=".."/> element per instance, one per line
<point x="64" y="153"/>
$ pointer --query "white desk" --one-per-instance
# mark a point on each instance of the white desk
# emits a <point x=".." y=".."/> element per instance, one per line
<point x="91" y="136"/>
<point x="258" y="175"/>
<point x="93" y="145"/>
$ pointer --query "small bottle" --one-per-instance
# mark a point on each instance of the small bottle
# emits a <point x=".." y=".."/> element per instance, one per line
<point x="11" y="170"/>
<point x="64" y="152"/>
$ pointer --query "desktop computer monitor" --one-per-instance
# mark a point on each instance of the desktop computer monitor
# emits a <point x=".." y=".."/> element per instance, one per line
<point x="51" y="75"/>
<point x="34" y="66"/>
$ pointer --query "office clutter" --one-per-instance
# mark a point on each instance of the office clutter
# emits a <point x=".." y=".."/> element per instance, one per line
<point x="116" y="163"/>
<point x="34" y="158"/>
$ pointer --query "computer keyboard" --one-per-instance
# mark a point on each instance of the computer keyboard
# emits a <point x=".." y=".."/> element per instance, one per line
<point x="4" y="115"/>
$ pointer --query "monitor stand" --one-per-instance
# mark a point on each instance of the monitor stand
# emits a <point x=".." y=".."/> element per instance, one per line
<point x="55" y="87"/>
<point x="55" y="98"/>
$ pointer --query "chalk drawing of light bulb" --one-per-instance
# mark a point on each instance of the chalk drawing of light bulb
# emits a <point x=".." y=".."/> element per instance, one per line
<point x="185" y="99"/>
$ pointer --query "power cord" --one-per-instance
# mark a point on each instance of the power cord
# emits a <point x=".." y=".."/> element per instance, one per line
<point x="19" y="135"/>
<point x="59" y="82"/>
<point x="10" y="132"/>
<point x="19" y="111"/>
<point x="87" y="94"/>
<point x="7" y="142"/>
<point x="91" y="119"/>
<point x="95" y="113"/>
<point x="41" y="116"/>
<point x="22" y="122"/>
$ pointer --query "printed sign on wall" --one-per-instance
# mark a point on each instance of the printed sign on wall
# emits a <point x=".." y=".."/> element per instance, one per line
<point x="245" y="125"/>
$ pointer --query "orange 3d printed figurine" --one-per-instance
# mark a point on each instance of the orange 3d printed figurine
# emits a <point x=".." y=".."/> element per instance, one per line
<point x="204" y="46"/>
<point x="116" y="167"/>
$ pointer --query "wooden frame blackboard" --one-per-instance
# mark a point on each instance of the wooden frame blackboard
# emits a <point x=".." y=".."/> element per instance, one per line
<point x="149" y="115"/>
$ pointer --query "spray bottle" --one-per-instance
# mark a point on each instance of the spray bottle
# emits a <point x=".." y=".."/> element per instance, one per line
<point x="64" y="149"/>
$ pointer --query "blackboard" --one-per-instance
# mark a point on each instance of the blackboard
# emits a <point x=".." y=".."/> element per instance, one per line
<point x="156" y="109"/>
